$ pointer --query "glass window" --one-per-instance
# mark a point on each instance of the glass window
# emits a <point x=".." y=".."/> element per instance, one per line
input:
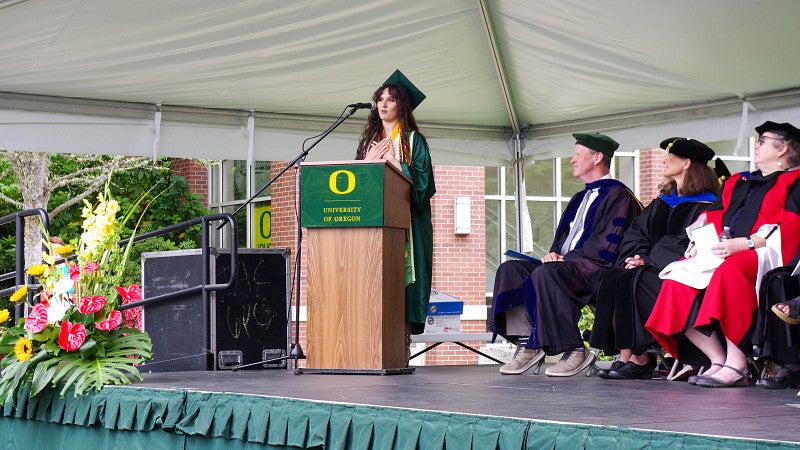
<point x="725" y="148"/>
<point x="540" y="179"/>
<point x="491" y="177"/>
<point x="230" y="187"/>
<point x="508" y="174"/>
<point x="511" y="226"/>
<point x="234" y="180"/>
<point x="625" y="171"/>
<point x="569" y="184"/>
<point x="544" y="216"/>
<point x="493" y="248"/>
<point x="261" y="176"/>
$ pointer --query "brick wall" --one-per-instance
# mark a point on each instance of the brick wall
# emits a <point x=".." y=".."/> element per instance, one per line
<point x="459" y="261"/>
<point x="651" y="163"/>
<point x="196" y="173"/>
<point x="284" y="234"/>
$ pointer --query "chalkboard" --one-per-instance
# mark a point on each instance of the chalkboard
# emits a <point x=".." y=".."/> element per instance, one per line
<point x="247" y="323"/>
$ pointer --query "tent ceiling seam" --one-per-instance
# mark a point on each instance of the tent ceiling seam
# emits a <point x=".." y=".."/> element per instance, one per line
<point x="491" y="37"/>
<point x="731" y="106"/>
<point x="223" y="117"/>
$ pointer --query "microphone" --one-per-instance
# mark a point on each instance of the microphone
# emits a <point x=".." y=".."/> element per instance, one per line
<point x="370" y="105"/>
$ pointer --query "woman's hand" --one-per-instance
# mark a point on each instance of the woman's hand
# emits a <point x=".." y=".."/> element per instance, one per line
<point x="633" y="261"/>
<point x="380" y="150"/>
<point x="728" y="247"/>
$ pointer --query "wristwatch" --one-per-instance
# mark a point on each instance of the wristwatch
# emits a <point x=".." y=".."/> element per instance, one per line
<point x="749" y="243"/>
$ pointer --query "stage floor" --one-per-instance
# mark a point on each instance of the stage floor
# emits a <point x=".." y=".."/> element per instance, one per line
<point x="753" y="412"/>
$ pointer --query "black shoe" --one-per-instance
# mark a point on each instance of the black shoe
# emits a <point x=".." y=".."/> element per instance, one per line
<point x="614" y="366"/>
<point x="744" y="379"/>
<point x="790" y="379"/>
<point x="633" y="371"/>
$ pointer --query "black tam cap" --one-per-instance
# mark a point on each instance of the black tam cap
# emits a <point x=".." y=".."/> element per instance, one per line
<point x="688" y="148"/>
<point x="597" y="142"/>
<point x="415" y="96"/>
<point x="786" y="130"/>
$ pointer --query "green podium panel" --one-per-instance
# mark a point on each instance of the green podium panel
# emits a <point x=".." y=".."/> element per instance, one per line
<point x="346" y="194"/>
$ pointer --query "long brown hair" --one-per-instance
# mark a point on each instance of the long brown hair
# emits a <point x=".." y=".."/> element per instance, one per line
<point x="373" y="130"/>
<point x="699" y="178"/>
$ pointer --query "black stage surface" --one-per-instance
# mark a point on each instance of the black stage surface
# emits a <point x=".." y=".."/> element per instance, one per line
<point x="660" y="405"/>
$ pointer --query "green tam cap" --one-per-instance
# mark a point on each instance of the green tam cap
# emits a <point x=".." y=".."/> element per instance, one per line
<point x="415" y="96"/>
<point x="597" y="142"/>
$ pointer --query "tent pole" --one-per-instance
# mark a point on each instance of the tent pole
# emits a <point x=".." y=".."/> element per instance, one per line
<point x="519" y="186"/>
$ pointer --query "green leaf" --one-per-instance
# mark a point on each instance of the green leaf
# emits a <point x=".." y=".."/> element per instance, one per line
<point x="43" y="374"/>
<point x="88" y="349"/>
<point x="115" y="367"/>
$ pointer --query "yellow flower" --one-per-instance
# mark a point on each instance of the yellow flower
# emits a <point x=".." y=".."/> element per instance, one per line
<point x="23" y="349"/>
<point x="19" y="294"/>
<point x="49" y="259"/>
<point x="64" y="250"/>
<point x="3" y="315"/>
<point x="36" y="270"/>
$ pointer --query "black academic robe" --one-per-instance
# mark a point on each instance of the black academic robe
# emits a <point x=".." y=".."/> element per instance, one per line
<point x="728" y="304"/>
<point x="606" y="219"/>
<point x="626" y="296"/>
<point x="558" y="290"/>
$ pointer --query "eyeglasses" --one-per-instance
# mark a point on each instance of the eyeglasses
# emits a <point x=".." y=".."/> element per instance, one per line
<point x="762" y="139"/>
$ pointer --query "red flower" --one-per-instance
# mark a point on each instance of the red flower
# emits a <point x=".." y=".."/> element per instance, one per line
<point x="90" y="305"/>
<point x="131" y="293"/>
<point x="113" y="321"/>
<point x="37" y="318"/>
<point x="44" y="298"/>
<point x="74" y="272"/>
<point x="90" y="267"/>
<point x="71" y="336"/>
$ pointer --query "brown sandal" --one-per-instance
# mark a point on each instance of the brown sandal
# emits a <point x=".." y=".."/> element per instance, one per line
<point x="793" y="317"/>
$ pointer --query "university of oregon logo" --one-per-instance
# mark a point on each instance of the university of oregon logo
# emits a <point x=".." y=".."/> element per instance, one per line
<point x="349" y="177"/>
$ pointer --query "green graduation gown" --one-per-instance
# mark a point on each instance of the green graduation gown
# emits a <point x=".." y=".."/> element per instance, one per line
<point x="421" y="172"/>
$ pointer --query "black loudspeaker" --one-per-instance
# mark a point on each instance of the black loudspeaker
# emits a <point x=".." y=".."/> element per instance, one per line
<point x="247" y="323"/>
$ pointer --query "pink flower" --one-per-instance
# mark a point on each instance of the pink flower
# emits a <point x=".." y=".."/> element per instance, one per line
<point x="90" y="267"/>
<point x="71" y="336"/>
<point x="113" y="321"/>
<point x="90" y="305"/>
<point x="74" y="272"/>
<point x="37" y="318"/>
<point x="131" y="293"/>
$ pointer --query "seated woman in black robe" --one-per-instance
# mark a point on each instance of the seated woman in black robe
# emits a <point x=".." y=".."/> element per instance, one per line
<point x="655" y="239"/>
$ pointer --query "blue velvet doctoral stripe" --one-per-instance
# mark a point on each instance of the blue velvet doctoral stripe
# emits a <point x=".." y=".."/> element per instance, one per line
<point x="674" y="200"/>
<point x="605" y="186"/>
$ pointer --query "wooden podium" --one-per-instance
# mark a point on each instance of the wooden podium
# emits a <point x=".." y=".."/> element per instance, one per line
<point x="357" y="214"/>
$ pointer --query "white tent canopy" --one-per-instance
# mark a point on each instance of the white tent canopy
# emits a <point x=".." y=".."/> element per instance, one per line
<point x="181" y="77"/>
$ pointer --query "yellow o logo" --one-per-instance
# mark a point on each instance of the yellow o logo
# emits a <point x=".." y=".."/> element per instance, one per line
<point x="351" y="182"/>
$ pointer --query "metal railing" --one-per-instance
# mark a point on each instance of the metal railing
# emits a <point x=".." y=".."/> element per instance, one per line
<point x="204" y="287"/>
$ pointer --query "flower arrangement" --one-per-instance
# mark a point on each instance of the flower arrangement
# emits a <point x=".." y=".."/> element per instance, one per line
<point x="72" y="333"/>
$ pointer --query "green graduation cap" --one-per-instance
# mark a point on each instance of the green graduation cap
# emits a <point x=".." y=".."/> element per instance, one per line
<point x="415" y="96"/>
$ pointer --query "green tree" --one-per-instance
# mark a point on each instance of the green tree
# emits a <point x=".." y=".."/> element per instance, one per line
<point x="67" y="190"/>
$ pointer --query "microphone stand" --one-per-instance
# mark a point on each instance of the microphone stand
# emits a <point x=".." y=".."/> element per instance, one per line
<point x="296" y="351"/>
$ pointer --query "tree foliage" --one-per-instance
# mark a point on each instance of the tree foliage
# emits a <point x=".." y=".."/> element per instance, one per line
<point x="64" y="181"/>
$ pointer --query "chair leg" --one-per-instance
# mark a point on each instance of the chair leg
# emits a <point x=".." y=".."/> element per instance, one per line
<point x="592" y="369"/>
